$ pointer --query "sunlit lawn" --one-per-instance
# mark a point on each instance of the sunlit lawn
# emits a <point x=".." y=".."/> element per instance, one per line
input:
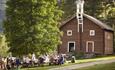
<point x="77" y="62"/>
<point x="100" y="67"/>
<point x="95" y="59"/>
<point x="39" y="68"/>
<point x="44" y="67"/>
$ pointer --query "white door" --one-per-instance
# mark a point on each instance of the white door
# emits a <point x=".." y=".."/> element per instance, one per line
<point x="90" y="46"/>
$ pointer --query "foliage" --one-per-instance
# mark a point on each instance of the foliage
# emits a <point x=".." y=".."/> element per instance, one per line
<point x="32" y="26"/>
<point x="100" y="9"/>
<point x="78" y="55"/>
<point x="3" y="46"/>
<point x="69" y="8"/>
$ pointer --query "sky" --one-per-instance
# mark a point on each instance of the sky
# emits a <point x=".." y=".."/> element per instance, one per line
<point x="2" y="9"/>
<point x="2" y="12"/>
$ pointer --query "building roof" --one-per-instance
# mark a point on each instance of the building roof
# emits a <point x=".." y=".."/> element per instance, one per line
<point x="96" y="21"/>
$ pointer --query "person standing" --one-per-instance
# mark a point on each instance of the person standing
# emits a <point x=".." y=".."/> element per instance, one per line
<point x="5" y="63"/>
<point x="33" y="57"/>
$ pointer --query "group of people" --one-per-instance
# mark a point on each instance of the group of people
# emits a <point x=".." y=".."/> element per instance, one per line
<point x="10" y="63"/>
<point x="41" y="60"/>
<point x="57" y="60"/>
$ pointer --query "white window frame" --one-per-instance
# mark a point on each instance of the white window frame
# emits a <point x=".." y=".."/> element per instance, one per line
<point x="69" y="31"/>
<point x="69" y="43"/>
<point x="92" y="32"/>
<point x="93" y="46"/>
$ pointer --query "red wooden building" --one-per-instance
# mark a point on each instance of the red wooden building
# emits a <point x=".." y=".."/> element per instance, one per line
<point x="96" y="37"/>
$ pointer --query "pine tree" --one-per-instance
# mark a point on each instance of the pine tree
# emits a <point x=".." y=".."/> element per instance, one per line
<point x="69" y="8"/>
<point x="32" y="26"/>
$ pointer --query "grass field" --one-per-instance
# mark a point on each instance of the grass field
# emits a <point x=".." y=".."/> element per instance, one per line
<point x="77" y="62"/>
<point x="100" y="67"/>
<point x="39" y="68"/>
<point x="95" y="59"/>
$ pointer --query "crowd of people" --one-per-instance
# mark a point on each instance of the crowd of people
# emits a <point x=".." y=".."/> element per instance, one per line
<point x="10" y="63"/>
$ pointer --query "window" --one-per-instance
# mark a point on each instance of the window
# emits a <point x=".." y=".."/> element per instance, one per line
<point x="69" y="32"/>
<point x="92" y="32"/>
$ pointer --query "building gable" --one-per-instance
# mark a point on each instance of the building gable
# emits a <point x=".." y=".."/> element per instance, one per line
<point x="96" y="21"/>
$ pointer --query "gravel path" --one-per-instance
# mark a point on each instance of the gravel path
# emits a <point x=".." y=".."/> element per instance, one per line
<point x="77" y="66"/>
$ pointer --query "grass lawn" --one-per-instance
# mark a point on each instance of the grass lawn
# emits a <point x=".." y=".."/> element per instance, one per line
<point x="77" y="62"/>
<point x="95" y="59"/>
<point x="46" y="67"/>
<point x="39" y="68"/>
<point x="100" y="67"/>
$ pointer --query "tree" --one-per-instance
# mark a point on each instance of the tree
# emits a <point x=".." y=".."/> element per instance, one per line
<point x="111" y="13"/>
<point x="94" y="8"/>
<point x="32" y="26"/>
<point x="97" y="9"/>
<point x="69" y="8"/>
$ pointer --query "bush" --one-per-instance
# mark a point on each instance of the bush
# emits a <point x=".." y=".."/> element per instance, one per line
<point x="79" y="55"/>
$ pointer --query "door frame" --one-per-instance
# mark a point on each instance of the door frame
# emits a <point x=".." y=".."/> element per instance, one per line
<point x="87" y="47"/>
<point x="69" y="43"/>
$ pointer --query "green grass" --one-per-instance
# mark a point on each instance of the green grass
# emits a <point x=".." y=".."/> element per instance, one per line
<point x="39" y="68"/>
<point x="100" y="67"/>
<point x="95" y="59"/>
<point x="45" y="67"/>
<point x="68" y="63"/>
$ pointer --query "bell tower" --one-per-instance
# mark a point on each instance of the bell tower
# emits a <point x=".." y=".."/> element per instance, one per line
<point x="79" y="14"/>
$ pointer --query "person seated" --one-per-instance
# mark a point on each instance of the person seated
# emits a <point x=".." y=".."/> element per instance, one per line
<point x="1" y="63"/>
<point x="61" y="60"/>
<point x="8" y="64"/>
<point x="73" y="59"/>
<point x="41" y="61"/>
<point x="17" y="63"/>
<point x="46" y="59"/>
<point x="52" y="61"/>
<point x="12" y="64"/>
<point x="27" y="61"/>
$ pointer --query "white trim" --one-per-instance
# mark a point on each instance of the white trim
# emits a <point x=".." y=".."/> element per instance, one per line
<point x="92" y="32"/>
<point x="79" y="13"/>
<point x="68" y="45"/>
<point x="93" y="48"/>
<point x="79" y="27"/>
<point x="68" y="32"/>
<point x="82" y="27"/>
